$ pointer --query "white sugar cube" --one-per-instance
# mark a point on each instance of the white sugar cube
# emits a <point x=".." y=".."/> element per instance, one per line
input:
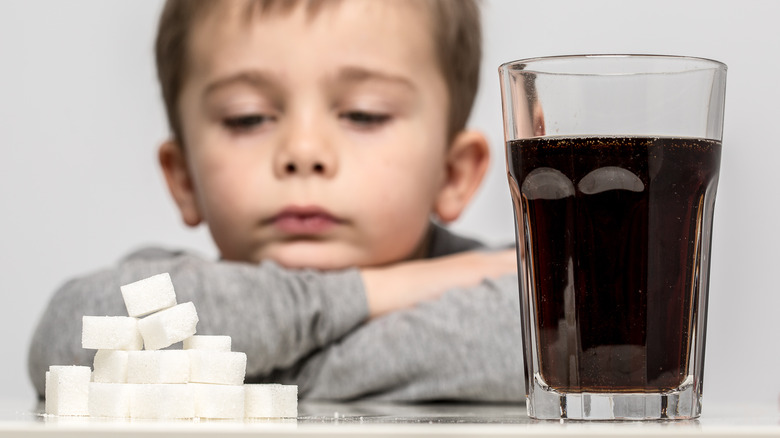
<point x="67" y="390"/>
<point x="158" y="366"/>
<point x="110" y="366"/>
<point x="110" y="399"/>
<point x="110" y="333"/>
<point x="50" y="395"/>
<point x="218" y="401"/>
<point x="149" y="295"/>
<point x="207" y="342"/>
<point x="220" y="367"/>
<point x="271" y="401"/>
<point x="162" y="400"/>
<point x="169" y="326"/>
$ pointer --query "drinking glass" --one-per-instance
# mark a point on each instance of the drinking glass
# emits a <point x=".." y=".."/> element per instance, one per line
<point x="613" y="165"/>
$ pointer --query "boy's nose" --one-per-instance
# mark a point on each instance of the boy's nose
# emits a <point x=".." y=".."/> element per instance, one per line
<point x="305" y="152"/>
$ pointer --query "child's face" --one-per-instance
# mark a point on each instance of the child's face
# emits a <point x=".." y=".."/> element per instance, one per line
<point x="315" y="140"/>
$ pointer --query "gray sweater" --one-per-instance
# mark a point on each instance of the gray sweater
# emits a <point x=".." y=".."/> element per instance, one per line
<point x="310" y="328"/>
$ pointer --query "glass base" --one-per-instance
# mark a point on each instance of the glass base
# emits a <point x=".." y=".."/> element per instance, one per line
<point x="545" y="403"/>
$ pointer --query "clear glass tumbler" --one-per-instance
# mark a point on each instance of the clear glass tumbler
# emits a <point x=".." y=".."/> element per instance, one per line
<point x="613" y="164"/>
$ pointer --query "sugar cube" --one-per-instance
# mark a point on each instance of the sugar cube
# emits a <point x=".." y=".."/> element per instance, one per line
<point x="220" y="367"/>
<point x="207" y="342"/>
<point x="110" y="399"/>
<point x="271" y="401"/>
<point x="169" y="326"/>
<point x="149" y="295"/>
<point x="218" y="401"/>
<point x="110" y="366"/>
<point x="158" y="366"/>
<point x="50" y="394"/>
<point x="162" y="401"/>
<point x="67" y="390"/>
<point x="110" y="333"/>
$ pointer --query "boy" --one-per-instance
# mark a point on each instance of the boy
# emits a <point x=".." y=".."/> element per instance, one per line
<point x="317" y="140"/>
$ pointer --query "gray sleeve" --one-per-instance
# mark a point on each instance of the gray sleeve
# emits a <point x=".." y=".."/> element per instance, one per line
<point x="275" y="315"/>
<point x="464" y="346"/>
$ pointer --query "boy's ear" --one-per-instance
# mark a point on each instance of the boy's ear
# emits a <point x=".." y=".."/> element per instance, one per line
<point x="177" y="175"/>
<point x="467" y="161"/>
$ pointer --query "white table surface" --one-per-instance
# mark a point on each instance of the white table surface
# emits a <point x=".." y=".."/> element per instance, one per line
<point x="25" y="419"/>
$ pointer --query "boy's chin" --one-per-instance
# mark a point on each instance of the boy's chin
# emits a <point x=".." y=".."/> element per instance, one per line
<point x="319" y="258"/>
<point x="310" y="263"/>
<point x="326" y="256"/>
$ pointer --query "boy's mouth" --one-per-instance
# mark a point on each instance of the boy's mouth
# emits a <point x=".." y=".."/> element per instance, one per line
<point x="304" y="220"/>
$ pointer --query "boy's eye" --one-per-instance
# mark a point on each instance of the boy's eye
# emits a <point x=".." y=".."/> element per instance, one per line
<point x="247" y="122"/>
<point x="365" y="119"/>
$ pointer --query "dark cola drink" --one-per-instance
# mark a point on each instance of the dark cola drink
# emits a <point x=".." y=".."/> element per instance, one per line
<point x="614" y="232"/>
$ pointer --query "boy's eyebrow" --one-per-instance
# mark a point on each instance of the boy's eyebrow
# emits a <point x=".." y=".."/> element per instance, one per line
<point x="254" y="78"/>
<point x="360" y="74"/>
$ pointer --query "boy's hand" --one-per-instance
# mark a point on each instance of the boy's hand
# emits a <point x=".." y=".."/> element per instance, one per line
<point x="405" y="284"/>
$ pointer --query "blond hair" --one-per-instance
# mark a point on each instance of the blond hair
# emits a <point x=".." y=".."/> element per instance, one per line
<point x="456" y="32"/>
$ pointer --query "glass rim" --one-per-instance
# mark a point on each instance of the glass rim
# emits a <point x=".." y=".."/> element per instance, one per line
<point x="691" y="63"/>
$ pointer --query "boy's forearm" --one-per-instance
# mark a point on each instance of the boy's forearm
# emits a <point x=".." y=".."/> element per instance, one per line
<point x="405" y="284"/>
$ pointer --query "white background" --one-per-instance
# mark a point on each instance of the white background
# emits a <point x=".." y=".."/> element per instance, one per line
<point x="80" y="121"/>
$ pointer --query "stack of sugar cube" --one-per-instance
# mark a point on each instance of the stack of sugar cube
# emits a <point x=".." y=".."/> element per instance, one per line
<point x="136" y="377"/>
